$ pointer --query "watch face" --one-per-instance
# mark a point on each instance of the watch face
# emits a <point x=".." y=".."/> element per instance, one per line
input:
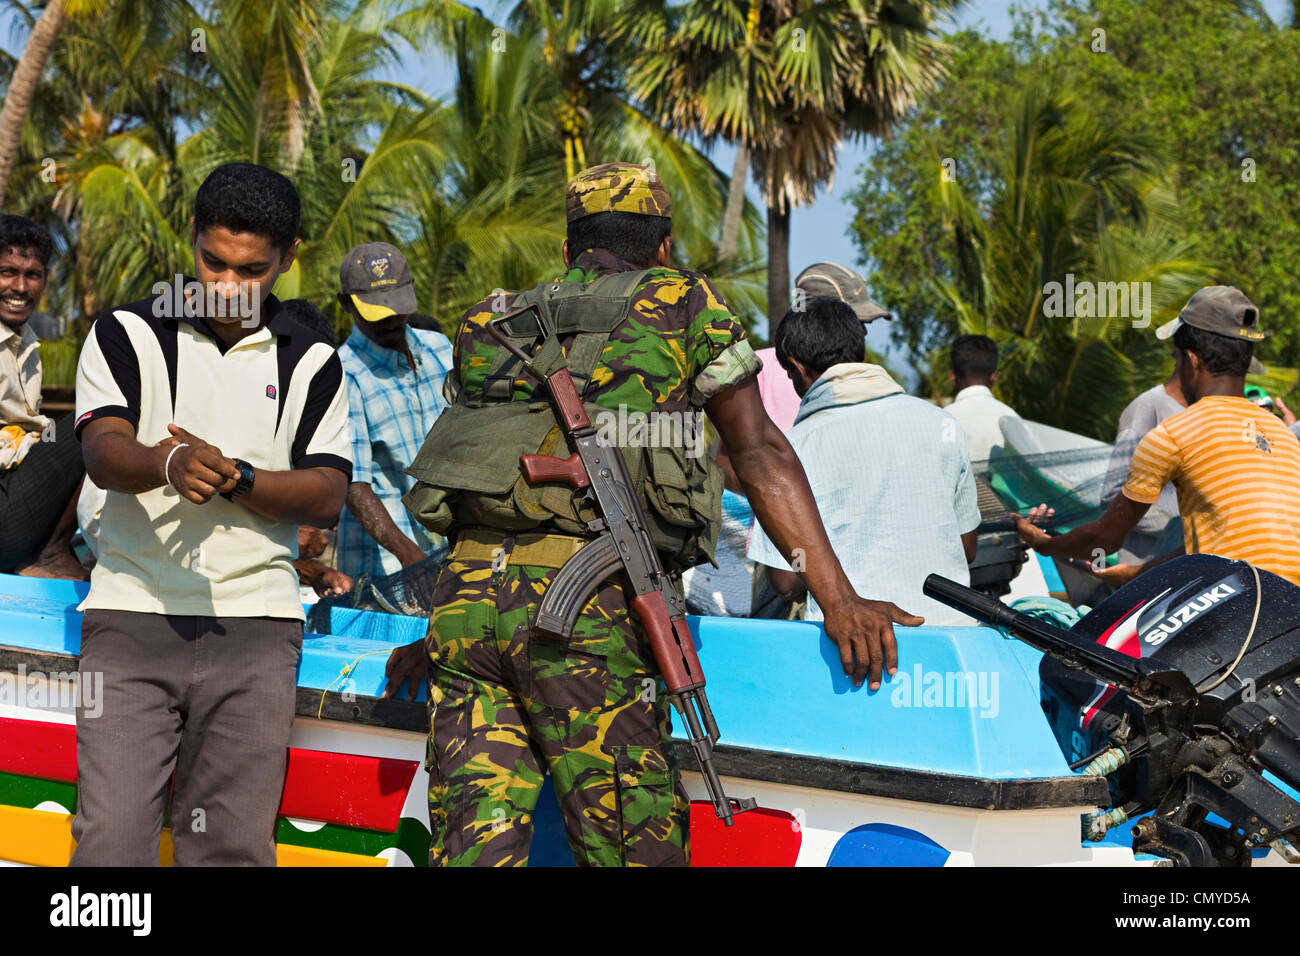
<point x="246" y="475"/>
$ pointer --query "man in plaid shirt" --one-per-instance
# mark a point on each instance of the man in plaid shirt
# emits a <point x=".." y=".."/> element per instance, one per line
<point x="394" y="376"/>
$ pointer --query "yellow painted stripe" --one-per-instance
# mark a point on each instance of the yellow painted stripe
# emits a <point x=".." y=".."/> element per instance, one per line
<point x="35" y="837"/>
<point x="43" y="838"/>
<point x="286" y="855"/>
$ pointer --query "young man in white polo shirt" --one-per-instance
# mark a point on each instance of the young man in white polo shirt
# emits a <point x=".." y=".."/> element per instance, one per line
<point x="217" y="427"/>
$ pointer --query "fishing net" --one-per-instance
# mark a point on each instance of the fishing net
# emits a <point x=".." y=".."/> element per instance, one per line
<point x="1038" y="464"/>
<point x="409" y="593"/>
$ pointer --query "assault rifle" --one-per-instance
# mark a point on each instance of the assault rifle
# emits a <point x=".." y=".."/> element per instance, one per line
<point x="622" y="542"/>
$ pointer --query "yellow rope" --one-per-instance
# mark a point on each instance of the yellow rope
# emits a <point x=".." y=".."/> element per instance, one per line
<point x="343" y="675"/>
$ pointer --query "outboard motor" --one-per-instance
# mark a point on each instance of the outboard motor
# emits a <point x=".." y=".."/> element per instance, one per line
<point x="999" y="551"/>
<point x="1184" y="689"/>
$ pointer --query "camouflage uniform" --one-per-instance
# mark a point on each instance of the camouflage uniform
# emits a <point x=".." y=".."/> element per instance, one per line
<point x="508" y="705"/>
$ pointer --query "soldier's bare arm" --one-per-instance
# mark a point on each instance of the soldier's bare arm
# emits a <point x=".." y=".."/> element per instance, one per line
<point x="777" y="488"/>
<point x="378" y="523"/>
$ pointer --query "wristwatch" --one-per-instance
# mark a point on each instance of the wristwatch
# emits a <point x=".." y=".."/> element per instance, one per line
<point x="246" y="475"/>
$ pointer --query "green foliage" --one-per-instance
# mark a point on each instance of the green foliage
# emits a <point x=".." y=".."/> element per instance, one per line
<point x="59" y="359"/>
<point x="785" y="80"/>
<point x="471" y="189"/>
<point x="1162" y="110"/>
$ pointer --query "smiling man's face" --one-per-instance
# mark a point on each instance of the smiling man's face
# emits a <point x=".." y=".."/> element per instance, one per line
<point x="22" y="281"/>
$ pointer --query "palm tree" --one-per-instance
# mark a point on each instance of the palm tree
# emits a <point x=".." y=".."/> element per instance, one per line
<point x="708" y="69"/>
<point x="785" y="81"/>
<point x="22" y="85"/>
<point x="240" y="105"/>
<point x="471" y="189"/>
<point x="581" y="107"/>
<point x="1072" y="194"/>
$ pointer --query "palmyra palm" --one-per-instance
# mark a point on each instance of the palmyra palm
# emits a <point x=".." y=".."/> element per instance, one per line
<point x="786" y="81"/>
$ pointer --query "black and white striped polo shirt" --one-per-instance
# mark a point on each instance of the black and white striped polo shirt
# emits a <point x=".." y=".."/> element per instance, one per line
<point x="275" y="398"/>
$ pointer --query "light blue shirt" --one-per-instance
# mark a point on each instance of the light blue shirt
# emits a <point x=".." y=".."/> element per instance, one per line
<point x="892" y="479"/>
<point x="391" y="409"/>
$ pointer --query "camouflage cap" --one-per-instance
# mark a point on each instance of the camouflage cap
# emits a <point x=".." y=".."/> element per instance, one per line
<point x="616" y="187"/>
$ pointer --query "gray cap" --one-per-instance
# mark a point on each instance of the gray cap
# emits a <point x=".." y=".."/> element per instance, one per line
<point x="375" y="276"/>
<point x="833" y="279"/>
<point x="1224" y="310"/>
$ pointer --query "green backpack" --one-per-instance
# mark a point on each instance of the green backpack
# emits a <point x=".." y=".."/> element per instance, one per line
<point x="468" y="474"/>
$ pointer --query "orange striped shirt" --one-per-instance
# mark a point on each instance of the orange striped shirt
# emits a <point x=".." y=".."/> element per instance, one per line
<point x="1236" y="469"/>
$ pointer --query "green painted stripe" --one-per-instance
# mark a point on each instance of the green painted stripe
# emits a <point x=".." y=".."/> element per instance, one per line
<point x="412" y="837"/>
<point x="27" y="792"/>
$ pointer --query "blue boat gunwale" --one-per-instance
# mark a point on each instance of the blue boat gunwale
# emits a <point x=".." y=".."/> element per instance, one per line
<point x="790" y="769"/>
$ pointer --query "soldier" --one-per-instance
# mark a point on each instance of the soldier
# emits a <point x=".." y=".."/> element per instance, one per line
<point x="509" y="705"/>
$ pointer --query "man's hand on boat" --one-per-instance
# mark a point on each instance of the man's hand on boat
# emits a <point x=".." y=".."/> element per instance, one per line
<point x="863" y="630"/>
<point x="407" y="665"/>
<point x="1116" y="575"/>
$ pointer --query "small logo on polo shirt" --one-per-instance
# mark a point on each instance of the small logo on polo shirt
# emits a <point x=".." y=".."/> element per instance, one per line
<point x="1262" y="444"/>
<point x="270" y="391"/>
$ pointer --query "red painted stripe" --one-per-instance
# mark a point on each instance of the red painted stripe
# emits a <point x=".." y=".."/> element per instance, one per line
<point x="758" y="837"/>
<point x="37" y="748"/>
<point x="346" y="789"/>
<point x="350" y="790"/>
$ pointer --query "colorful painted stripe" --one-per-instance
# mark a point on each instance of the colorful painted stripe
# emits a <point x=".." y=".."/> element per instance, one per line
<point x="350" y="790"/>
<point x="44" y="838"/>
<point x="412" y="838"/>
<point x="36" y="748"/>
<point x="759" y="837"/>
<point x="31" y="792"/>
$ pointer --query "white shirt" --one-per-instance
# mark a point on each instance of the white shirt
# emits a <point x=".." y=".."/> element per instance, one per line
<point x="20" y="389"/>
<point x="275" y="398"/>
<point x="895" y="491"/>
<point x="979" y="413"/>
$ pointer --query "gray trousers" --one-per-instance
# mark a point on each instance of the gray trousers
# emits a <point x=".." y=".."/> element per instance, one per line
<point x="211" y="699"/>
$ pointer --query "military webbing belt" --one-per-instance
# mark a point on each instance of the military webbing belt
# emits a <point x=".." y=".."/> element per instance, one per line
<point x="533" y="548"/>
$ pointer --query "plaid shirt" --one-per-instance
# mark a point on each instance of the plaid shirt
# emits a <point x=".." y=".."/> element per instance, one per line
<point x="391" y="410"/>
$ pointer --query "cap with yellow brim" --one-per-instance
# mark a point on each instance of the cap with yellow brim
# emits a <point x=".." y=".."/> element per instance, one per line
<point x="378" y="281"/>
